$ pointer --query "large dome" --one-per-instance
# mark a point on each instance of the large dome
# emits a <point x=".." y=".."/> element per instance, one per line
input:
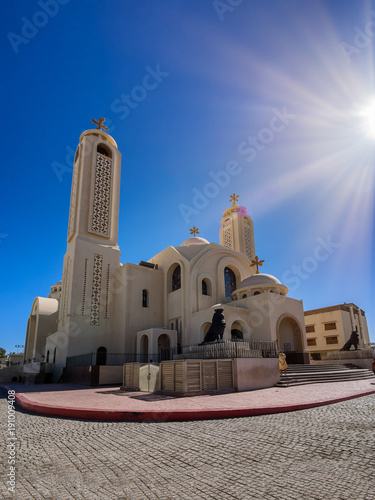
<point x="259" y="279"/>
<point x="194" y="241"/>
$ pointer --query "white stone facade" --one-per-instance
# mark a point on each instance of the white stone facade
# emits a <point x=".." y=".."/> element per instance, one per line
<point x="104" y="306"/>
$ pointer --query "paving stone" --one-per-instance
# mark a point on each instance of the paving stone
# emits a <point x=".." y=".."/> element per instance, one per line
<point x="325" y="452"/>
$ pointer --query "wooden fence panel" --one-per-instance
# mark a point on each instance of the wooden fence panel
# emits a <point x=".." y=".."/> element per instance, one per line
<point x="193" y="376"/>
<point x="179" y="376"/>
<point x="225" y="374"/>
<point x="167" y="375"/>
<point x="209" y="373"/>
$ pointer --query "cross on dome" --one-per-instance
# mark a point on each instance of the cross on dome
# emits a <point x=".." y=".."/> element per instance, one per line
<point x="194" y="231"/>
<point x="257" y="263"/>
<point x="99" y="124"/>
<point x="234" y="197"/>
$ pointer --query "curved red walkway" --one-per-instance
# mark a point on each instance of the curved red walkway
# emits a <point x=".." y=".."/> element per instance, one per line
<point x="111" y="404"/>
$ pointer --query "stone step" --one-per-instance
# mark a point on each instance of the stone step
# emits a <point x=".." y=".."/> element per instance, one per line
<point x="309" y="374"/>
<point x="333" y="376"/>
<point x="325" y="381"/>
<point x="326" y="373"/>
<point x="311" y="368"/>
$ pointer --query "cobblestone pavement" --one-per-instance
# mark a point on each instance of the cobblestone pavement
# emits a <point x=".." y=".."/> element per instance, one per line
<point x="321" y="453"/>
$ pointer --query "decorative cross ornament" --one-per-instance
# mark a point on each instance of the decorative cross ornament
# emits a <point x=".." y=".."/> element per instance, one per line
<point x="99" y="124"/>
<point x="234" y="197"/>
<point x="194" y="231"/>
<point x="256" y="263"/>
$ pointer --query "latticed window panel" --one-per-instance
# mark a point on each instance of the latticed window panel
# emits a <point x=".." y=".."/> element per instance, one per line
<point x="227" y="238"/>
<point x="96" y="289"/>
<point x="102" y="196"/>
<point x="84" y="287"/>
<point x="248" y="234"/>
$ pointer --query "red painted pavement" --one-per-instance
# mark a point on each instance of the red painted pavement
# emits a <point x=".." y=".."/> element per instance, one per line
<point x="111" y="404"/>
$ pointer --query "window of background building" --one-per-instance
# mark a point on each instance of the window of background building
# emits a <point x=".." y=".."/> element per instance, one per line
<point x="331" y="340"/>
<point x="330" y="326"/>
<point x="310" y="328"/>
<point x="311" y="342"/>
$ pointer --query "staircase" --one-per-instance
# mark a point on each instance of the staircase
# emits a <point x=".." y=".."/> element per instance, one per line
<point x="315" y="374"/>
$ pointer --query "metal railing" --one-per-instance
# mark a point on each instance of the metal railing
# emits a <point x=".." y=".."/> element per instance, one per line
<point x="232" y="349"/>
<point x="214" y="350"/>
<point x="110" y="359"/>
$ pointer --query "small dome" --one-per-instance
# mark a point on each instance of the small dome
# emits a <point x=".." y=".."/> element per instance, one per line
<point x="258" y="284"/>
<point x="259" y="279"/>
<point x="194" y="241"/>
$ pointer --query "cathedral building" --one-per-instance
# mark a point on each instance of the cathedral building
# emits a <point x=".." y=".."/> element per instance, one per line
<point x="103" y="306"/>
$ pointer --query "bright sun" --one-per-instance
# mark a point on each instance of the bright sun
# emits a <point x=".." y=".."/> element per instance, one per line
<point x="369" y="117"/>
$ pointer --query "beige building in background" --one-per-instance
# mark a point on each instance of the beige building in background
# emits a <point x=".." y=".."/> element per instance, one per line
<point x="329" y="328"/>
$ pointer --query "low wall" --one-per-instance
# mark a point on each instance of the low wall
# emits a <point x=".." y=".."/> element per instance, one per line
<point x="255" y="373"/>
<point x="81" y="375"/>
<point x="193" y="376"/>
<point x="11" y="373"/>
<point x="110" y="375"/>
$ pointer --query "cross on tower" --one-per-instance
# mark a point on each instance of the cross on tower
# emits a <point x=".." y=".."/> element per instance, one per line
<point x="99" y="123"/>
<point x="194" y="231"/>
<point x="234" y="197"/>
<point x="257" y="263"/>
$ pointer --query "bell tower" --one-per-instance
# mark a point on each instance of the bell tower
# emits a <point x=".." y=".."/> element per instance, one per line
<point x="236" y="229"/>
<point x="92" y="254"/>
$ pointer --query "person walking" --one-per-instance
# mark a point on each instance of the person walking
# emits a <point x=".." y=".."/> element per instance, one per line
<point x="282" y="363"/>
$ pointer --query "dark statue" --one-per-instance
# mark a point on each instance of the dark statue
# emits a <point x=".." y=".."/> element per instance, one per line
<point x="216" y="330"/>
<point x="353" y="341"/>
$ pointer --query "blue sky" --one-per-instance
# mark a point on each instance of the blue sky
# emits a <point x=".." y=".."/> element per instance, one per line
<point x="272" y="92"/>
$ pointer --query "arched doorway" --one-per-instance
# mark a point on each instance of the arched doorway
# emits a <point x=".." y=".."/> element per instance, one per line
<point x="164" y="348"/>
<point x="203" y="330"/>
<point x="101" y="356"/>
<point x="236" y="331"/>
<point x="144" y="349"/>
<point x="290" y="340"/>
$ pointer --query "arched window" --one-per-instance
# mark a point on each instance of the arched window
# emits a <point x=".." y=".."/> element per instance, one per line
<point x="103" y="150"/>
<point x="47" y="358"/>
<point x="176" y="278"/>
<point x="54" y="355"/>
<point x="204" y="287"/>
<point x="244" y="296"/>
<point x="101" y="356"/>
<point x="230" y="282"/>
<point x="144" y="298"/>
<point x="257" y="292"/>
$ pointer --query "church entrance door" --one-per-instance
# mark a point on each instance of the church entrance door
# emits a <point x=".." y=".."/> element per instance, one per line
<point x="164" y="348"/>
<point x="144" y="349"/>
<point x="290" y="340"/>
